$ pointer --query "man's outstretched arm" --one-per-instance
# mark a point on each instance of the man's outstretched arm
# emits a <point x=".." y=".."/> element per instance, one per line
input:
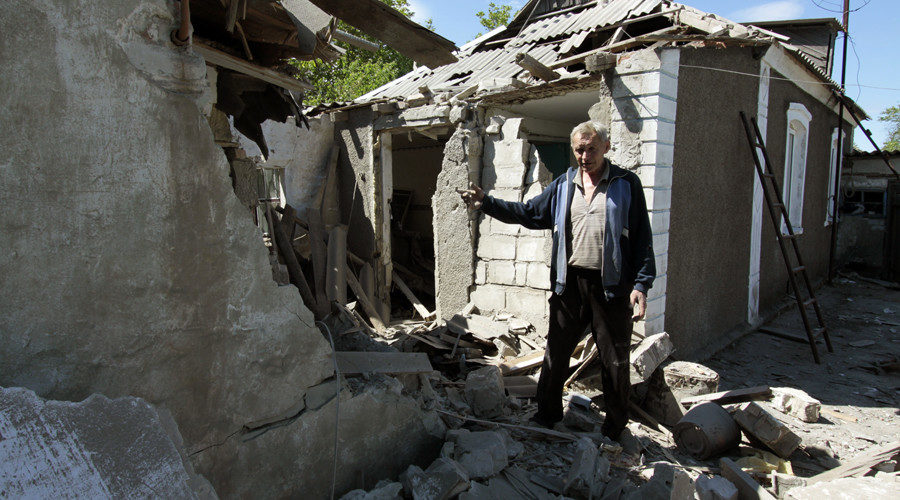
<point x="534" y="214"/>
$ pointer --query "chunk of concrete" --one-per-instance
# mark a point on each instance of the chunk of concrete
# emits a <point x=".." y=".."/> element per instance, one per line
<point x="99" y="447"/>
<point x="648" y="355"/>
<point x="386" y="491"/>
<point x="682" y="485"/>
<point x="484" y="392"/>
<point x="715" y="488"/>
<point x="848" y="488"/>
<point x="482" y="454"/>
<point x="589" y="472"/>
<point x="690" y="379"/>
<point x="660" y="401"/>
<point x="797" y="403"/>
<point x="443" y="479"/>
<point x="770" y="431"/>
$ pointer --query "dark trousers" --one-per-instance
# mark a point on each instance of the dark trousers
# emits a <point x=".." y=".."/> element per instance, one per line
<point x="583" y="303"/>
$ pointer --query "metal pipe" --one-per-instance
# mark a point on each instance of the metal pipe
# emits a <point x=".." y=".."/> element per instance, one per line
<point x="182" y="35"/>
<point x="356" y="41"/>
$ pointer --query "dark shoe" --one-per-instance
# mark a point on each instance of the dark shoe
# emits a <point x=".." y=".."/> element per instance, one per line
<point x="543" y="422"/>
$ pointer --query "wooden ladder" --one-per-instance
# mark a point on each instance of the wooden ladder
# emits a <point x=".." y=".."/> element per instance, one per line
<point x="776" y="206"/>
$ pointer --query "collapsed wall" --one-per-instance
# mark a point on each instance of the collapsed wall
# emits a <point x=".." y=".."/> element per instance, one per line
<point x="130" y="266"/>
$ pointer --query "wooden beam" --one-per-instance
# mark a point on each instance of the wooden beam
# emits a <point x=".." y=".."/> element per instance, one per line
<point x="748" y="489"/>
<point x="535" y="67"/>
<point x="371" y="310"/>
<point x="393" y="28"/>
<point x="231" y="15"/>
<point x="228" y="61"/>
<point x="417" y="304"/>
<point x="336" y="276"/>
<point x="383" y="362"/>
<point x="735" y="396"/>
<point x="616" y="47"/>
<point x="284" y="247"/>
<point x="859" y="465"/>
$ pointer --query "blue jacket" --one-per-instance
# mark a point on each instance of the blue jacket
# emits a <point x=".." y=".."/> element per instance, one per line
<point x="628" y="262"/>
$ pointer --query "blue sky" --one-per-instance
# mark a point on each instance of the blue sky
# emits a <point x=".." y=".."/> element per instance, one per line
<point x="873" y="32"/>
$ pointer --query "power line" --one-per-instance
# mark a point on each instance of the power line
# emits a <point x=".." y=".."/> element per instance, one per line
<point x="784" y="79"/>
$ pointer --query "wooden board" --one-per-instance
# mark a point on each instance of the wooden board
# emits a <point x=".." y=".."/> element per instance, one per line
<point x="735" y="396"/>
<point x="383" y="362"/>
<point x="747" y="487"/>
<point x="416" y="303"/>
<point x="859" y="465"/>
<point x="219" y="58"/>
<point x="371" y="310"/>
<point x="522" y="363"/>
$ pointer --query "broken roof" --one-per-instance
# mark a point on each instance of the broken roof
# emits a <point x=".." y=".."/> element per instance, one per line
<point x="561" y="39"/>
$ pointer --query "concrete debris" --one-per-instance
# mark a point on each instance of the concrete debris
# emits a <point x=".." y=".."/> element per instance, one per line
<point x="715" y="488"/>
<point x="589" y="472"/>
<point x="485" y="393"/>
<point x="849" y="488"/>
<point x="682" y="485"/>
<point x="96" y="448"/>
<point x="690" y="379"/>
<point x="580" y="419"/>
<point x="797" y="403"/>
<point x="652" y="351"/>
<point x="661" y="401"/>
<point x="760" y="424"/>
<point x="443" y="479"/>
<point x="384" y="490"/>
<point x="481" y="454"/>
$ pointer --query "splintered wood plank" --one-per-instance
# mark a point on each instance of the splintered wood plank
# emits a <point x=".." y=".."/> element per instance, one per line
<point x="859" y="465"/>
<point x="228" y="61"/>
<point x="371" y="310"/>
<point x="417" y="304"/>
<point x="522" y="363"/>
<point x="735" y="396"/>
<point x="383" y="362"/>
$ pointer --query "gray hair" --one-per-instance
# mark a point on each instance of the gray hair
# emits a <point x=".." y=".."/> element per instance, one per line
<point x="590" y="127"/>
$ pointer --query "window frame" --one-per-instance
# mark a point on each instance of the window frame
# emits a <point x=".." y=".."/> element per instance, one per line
<point x="835" y="167"/>
<point x="795" y="160"/>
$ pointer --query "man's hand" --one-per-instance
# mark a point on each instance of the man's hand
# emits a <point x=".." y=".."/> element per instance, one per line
<point x="472" y="196"/>
<point x="638" y="297"/>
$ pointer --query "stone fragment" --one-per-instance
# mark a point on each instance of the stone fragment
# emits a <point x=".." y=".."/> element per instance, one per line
<point x="484" y="392"/>
<point x="96" y="448"/>
<point x="482" y="454"/>
<point x="319" y="395"/>
<point x="519" y="326"/>
<point x="477" y="491"/>
<point x="589" y="472"/>
<point x="384" y="490"/>
<point x="579" y="419"/>
<point x="652" y="351"/>
<point x="690" y="379"/>
<point x="504" y="349"/>
<point x="797" y="403"/>
<point x="682" y="485"/>
<point x="660" y="401"/>
<point x="443" y="479"/>
<point x="782" y="483"/>
<point x="513" y="448"/>
<point x="760" y="424"/>
<point x="458" y="114"/>
<point x="715" y="488"/>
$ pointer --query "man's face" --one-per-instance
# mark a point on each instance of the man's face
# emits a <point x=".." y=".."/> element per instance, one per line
<point x="589" y="151"/>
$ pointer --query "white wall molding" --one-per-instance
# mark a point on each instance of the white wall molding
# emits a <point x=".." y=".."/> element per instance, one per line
<point x="762" y="119"/>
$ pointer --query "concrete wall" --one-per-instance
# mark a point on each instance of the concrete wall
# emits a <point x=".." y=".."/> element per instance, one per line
<point x="712" y="190"/>
<point x="131" y="268"/>
<point x="816" y="237"/>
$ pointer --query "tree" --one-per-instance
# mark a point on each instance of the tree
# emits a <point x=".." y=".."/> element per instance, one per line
<point x="496" y="16"/>
<point x="892" y="116"/>
<point x="358" y="71"/>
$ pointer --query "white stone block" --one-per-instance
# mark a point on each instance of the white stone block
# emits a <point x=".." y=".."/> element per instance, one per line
<point x="797" y="403"/>
<point x="669" y="61"/>
<point x="501" y="272"/>
<point x="667" y="108"/>
<point x="662" y="263"/>
<point x="661" y="240"/>
<point x="655" y="176"/>
<point x="505" y="194"/>
<point x="497" y="227"/>
<point x="532" y="249"/>
<point x="652" y="326"/>
<point x="507" y="177"/>
<point x="668" y="85"/>
<point x="637" y="62"/>
<point x="652" y="351"/>
<point x="656" y="307"/>
<point x="521" y="273"/>
<point x="658" y="198"/>
<point x="538" y="275"/>
<point x="489" y="298"/>
<point x="480" y="272"/>
<point x="522" y="301"/>
<point x="514" y="152"/>
<point x="636" y="84"/>
<point x="659" y="287"/>
<point x="532" y="191"/>
<point x="511" y="128"/>
<point x="666" y="132"/>
<point x="659" y="222"/>
<point x="496" y="247"/>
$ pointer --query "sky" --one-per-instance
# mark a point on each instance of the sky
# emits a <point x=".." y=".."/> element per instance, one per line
<point x="873" y="68"/>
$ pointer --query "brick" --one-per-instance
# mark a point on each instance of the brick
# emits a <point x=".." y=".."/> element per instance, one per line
<point x="538" y="275"/>
<point x="489" y="298"/>
<point x="496" y="247"/>
<point x="760" y="424"/>
<point x="510" y="153"/>
<point x="533" y="249"/>
<point x="480" y="272"/>
<point x="658" y="198"/>
<point x="659" y="154"/>
<point x="498" y="227"/>
<point x="796" y="402"/>
<point x="501" y="272"/>
<point x="655" y="176"/>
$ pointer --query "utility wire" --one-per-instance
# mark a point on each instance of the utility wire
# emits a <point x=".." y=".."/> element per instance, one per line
<point x="784" y="79"/>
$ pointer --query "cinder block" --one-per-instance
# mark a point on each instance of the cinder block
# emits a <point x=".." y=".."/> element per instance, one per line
<point x="666" y="132"/>
<point x="796" y="402"/>
<point x="661" y="240"/>
<point x="636" y="84"/>
<point x="659" y="287"/>
<point x="667" y="109"/>
<point x="489" y="298"/>
<point x="652" y="351"/>
<point x="505" y="194"/>
<point x="659" y="222"/>
<point x="655" y="176"/>
<point x="511" y="128"/>
<point x="763" y="426"/>
<point x="501" y="272"/>
<point x="480" y="272"/>
<point x="658" y="198"/>
<point x="654" y="153"/>
<point x="531" y="191"/>
<point x="538" y="275"/>
<point x="532" y="249"/>
<point x="651" y="326"/>
<point x="525" y="301"/>
<point x="496" y="247"/>
<point x="656" y="307"/>
<point x="669" y="61"/>
<point x="521" y="273"/>
<point x="668" y="85"/>
<point x="513" y="152"/>
<point x="498" y="227"/>
<point x="637" y="62"/>
<point x="662" y="262"/>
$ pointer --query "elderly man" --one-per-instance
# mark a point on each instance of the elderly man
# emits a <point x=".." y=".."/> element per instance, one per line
<point x="601" y="268"/>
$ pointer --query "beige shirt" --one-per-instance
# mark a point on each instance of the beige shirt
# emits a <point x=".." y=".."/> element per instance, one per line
<point x="588" y="219"/>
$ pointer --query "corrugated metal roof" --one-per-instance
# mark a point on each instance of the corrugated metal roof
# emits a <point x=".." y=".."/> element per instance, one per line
<point x="590" y="19"/>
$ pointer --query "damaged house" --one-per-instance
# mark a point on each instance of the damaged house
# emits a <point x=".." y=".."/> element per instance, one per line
<point x="669" y="81"/>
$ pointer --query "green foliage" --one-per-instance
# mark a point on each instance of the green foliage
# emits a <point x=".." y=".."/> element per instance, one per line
<point x="358" y="71"/>
<point x="892" y="116"/>
<point x="496" y="16"/>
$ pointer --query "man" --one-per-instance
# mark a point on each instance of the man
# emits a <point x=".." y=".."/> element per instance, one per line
<point x="601" y="268"/>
